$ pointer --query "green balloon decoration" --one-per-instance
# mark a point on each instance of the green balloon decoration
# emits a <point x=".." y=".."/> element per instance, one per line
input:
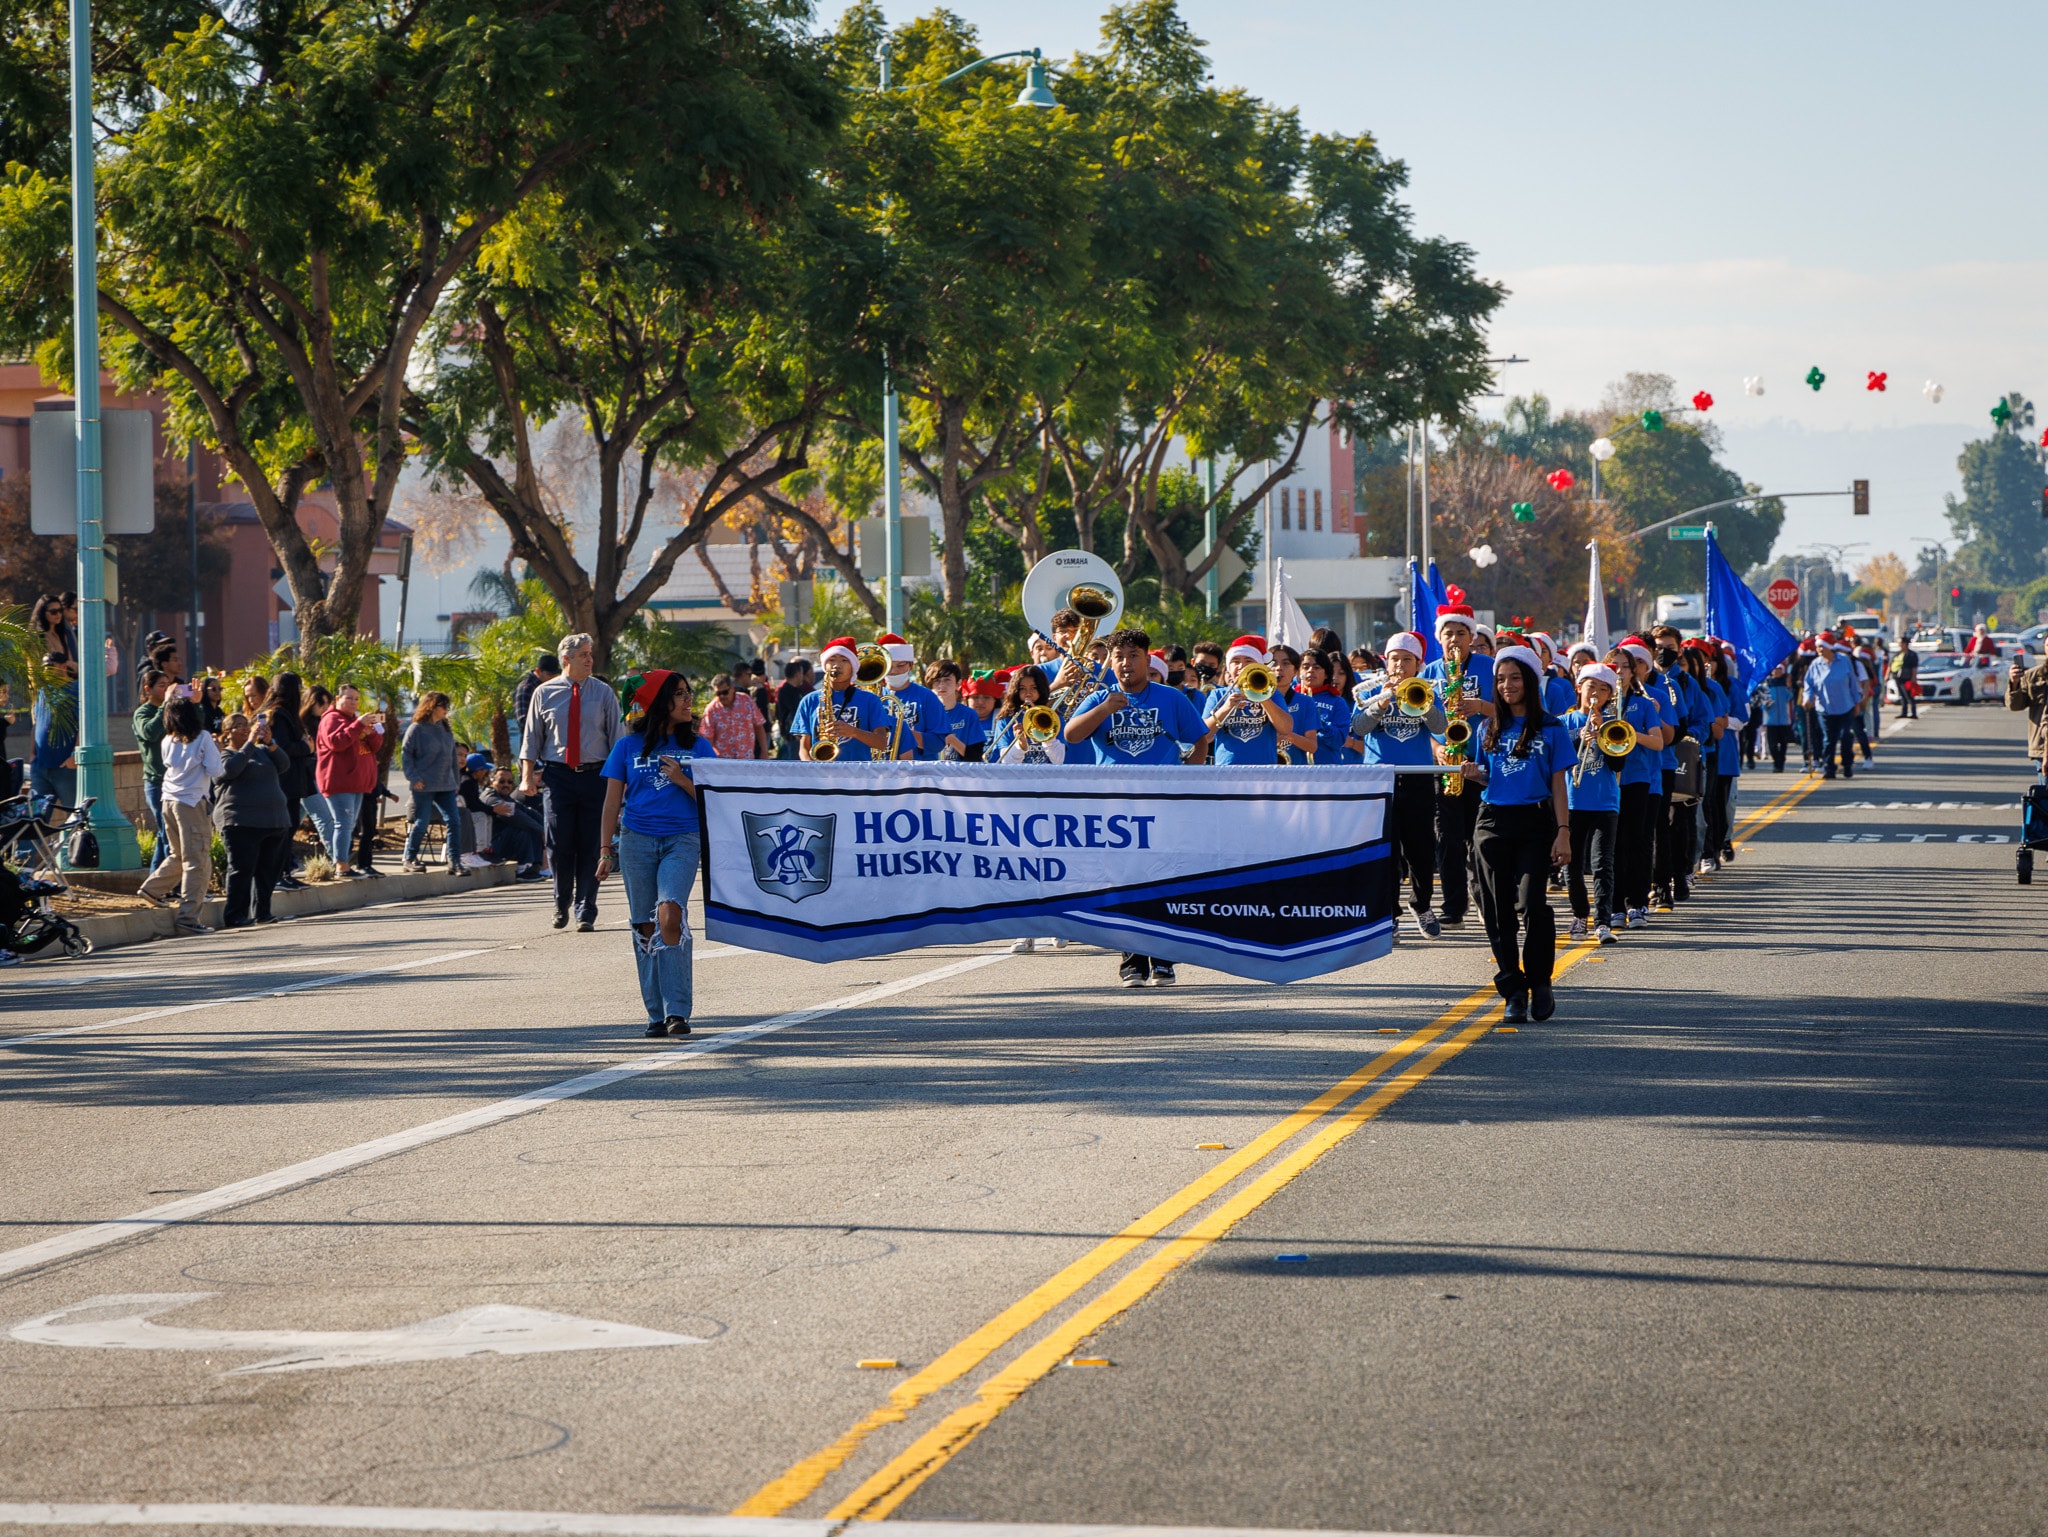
<point x="2001" y="413"/>
<point x="1525" y="512"/>
<point x="1653" y="421"/>
<point x="1815" y="378"/>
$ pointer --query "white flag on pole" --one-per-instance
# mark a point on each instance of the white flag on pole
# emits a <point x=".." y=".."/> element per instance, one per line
<point x="1290" y="626"/>
<point x="1595" y="627"/>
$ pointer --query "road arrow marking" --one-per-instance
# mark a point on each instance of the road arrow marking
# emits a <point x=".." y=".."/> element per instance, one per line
<point x="497" y="1329"/>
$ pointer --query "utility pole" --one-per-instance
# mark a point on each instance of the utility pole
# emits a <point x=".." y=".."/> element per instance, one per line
<point x="195" y="651"/>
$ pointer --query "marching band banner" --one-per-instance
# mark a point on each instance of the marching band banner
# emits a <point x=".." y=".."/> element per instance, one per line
<point x="1276" y="874"/>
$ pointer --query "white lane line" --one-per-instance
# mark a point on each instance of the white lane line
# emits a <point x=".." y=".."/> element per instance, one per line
<point x="270" y="992"/>
<point x="165" y="973"/>
<point x="398" y="1518"/>
<point x="100" y="1234"/>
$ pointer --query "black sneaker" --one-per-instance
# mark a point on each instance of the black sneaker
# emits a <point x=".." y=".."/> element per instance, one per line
<point x="1542" y="1002"/>
<point x="561" y="920"/>
<point x="1681" y="889"/>
<point x="677" y="1025"/>
<point x="586" y="925"/>
<point x="1451" y="920"/>
<point x="1162" y="974"/>
<point x="657" y="1027"/>
<point x="290" y="883"/>
<point x="1517" y="1010"/>
<point x="1134" y="973"/>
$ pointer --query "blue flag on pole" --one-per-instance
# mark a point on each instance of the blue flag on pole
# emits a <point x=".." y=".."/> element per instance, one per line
<point x="1436" y="586"/>
<point x="1422" y="605"/>
<point x="1744" y="620"/>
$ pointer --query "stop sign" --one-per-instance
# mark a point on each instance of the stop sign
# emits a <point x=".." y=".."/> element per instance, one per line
<point x="1782" y="595"/>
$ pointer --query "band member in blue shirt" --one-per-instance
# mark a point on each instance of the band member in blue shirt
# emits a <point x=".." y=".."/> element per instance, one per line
<point x="1023" y="688"/>
<point x="1560" y="689"/>
<point x="915" y="711"/>
<point x="1298" y="743"/>
<point x="861" y="723"/>
<point x="1246" y="733"/>
<point x="1593" y="794"/>
<point x="1642" y="782"/>
<point x="1389" y="735"/>
<point x="1333" y="711"/>
<point x="1524" y="829"/>
<point x="1458" y="815"/>
<point x="1138" y="721"/>
<point x="961" y="732"/>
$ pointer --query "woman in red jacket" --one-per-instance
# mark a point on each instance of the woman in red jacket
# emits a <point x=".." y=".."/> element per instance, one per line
<point x="345" y="769"/>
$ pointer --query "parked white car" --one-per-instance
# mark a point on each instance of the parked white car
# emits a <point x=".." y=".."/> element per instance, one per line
<point x="1949" y="677"/>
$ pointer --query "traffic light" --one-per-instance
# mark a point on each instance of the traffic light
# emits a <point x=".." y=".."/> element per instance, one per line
<point x="1862" y="489"/>
<point x="1956" y="593"/>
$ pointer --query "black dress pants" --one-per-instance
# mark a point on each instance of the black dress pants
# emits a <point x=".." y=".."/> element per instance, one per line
<point x="1668" y="866"/>
<point x="255" y="862"/>
<point x="1511" y="850"/>
<point x="1593" y="853"/>
<point x="1411" y="827"/>
<point x="1635" y="841"/>
<point x="1456" y="817"/>
<point x="574" y="803"/>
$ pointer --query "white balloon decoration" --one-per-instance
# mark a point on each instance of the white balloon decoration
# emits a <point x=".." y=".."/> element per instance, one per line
<point x="1482" y="556"/>
<point x="1753" y="385"/>
<point x="1602" y="449"/>
<point x="1933" y="392"/>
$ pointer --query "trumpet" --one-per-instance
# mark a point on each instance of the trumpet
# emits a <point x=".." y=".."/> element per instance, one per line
<point x="1040" y="723"/>
<point x="1257" y="683"/>
<point x="825" y="741"/>
<point x="1413" y="696"/>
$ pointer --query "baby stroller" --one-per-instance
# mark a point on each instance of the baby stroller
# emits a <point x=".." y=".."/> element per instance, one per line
<point x="28" y="923"/>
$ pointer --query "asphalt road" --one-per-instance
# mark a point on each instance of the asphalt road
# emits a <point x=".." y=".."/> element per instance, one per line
<point x="1750" y="1238"/>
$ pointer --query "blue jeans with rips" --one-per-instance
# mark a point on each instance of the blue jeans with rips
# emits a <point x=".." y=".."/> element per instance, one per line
<point x="657" y="870"/>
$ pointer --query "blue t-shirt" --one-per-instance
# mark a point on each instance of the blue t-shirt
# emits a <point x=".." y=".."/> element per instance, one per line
<point x="1670" y="714"/>
<point x="923" y="712"/>
<point x="1333" y="725"/>
<point x="1152" y="728"/>
<point x="1401" y="739"/>
<point x="1599" y="789"/>
<point x="1244" y="735"/>
<point x="1644" y="766"/>
<point x="850" y="707"/>
<point x="960" y="721"/>
<point x="1301" y="708"/>
<point x="654" y="805"/>
<point x="1478" y="676"/>
<point x="1513" y="781"/>
<point x="1559" y="697"/>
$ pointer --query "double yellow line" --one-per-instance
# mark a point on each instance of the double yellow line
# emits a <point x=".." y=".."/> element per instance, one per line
<point x="1434" y="1044"/>
<point x="1779" y="805"/>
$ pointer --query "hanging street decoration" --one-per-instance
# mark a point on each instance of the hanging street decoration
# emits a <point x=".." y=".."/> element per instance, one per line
<point x="1933" y="392"/>
<point x="1875" y="381"/>
<point x="1753" y="385"/>
<point x="1653" y="421"/>
<point x="2001" y="413"/>
<point x="1561" y="480"/>
<point x="1525" y="512"/>
<point x="1815" y="378"/>
<point x="1481" y="555"/>
<point x="1704" y="402"/>
<point x="1602" y="449"/>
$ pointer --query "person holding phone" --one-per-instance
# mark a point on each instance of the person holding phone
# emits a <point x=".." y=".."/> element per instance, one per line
<point x="251" y="811"/>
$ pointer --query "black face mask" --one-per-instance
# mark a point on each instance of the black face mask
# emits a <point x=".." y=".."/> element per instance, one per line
<point x="1667" y="657"/>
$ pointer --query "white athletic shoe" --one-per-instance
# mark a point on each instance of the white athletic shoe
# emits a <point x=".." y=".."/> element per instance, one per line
<point x="1578" y="928"/>
<point x="1604" y="934"/>
<point x="1638" y="918"/>
<point x="1059" y="944"/>
<point x="1024" y="947"/>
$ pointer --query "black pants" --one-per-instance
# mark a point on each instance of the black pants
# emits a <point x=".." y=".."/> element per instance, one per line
<point x="366" y="831"/>
<point x="575" y="808"/>
<point x="1668" y="867"/>
<point x="1511" y="853"/>
<point x="1411" y="827"/>
<point x="1714" y="814"/>
<point x="1839" y="731"/>
<point x="1778" y="738"/>
<point x="1635" y="841"/>
<point x="1593" y="853"/>
<point x="1859" y="723"/>
<point x="1685" y="820"/>
<point x="518" y="837"/>
<point x="1456" y="818"/>
<point x="1909" y="702"/>
<point x="295" y="811"/>
<point x="255" y="861"/>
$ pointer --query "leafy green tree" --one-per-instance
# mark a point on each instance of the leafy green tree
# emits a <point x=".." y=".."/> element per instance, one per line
<point x="289" y="192"/>
<point x="1999" y="516"/>
<point x="1657" y="475"/>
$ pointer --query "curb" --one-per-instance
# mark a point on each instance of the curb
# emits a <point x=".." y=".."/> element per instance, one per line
<point x="140" y="928"/>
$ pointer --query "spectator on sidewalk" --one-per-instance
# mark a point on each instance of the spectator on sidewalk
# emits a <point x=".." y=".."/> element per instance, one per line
<point x="285" y="717"/>
<point x="427" y="758"/>
<point x="149" y="741"/>
<point x="213" y="714"/>
<point x="249" y="809"/>
<point x="517" y="834"/>
<point x="732" y="721"/>
<point x="2027" y="689"/>
<point x="345" y="770"/>
<point x="571" y="724"/>
<point x="544" y="668"/>
<point x="318" y="702"/>
<point x="191" y="764"/>
<point x="797" y="681"/>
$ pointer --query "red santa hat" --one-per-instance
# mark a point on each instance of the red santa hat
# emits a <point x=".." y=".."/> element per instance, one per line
<point x="1638" y="649"/>
<point x="1409" y="642"/>
<point x="840" y="646"/>
<point x="1249" y="648"/>
<point x="1521" y="654"/>
<point x="899" y="649"/>
<point x="1454" y="613"/>
<point x="1156" y="661"/>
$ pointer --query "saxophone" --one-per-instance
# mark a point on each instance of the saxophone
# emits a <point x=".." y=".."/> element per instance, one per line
<point x="1457" y="731"/>
<point x="1591" y="758"/>
<point x="825" y="743"/>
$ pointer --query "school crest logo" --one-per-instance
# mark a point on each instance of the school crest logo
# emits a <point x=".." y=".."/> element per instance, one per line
<point x="1134" y="730"/>
<point x="792" y="853"/>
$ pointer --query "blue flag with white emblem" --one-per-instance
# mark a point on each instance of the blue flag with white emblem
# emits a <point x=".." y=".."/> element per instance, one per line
<point x="1744" y="620"/>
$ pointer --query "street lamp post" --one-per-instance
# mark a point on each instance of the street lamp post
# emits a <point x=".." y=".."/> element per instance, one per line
<point x="117" y="844"/>
<point x="1035" y="94"/>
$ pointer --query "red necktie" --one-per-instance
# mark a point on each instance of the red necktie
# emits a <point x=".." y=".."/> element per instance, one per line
<point x="572" y="750"/>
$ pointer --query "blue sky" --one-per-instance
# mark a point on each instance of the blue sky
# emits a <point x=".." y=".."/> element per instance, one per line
<point x="1711" y="191"/>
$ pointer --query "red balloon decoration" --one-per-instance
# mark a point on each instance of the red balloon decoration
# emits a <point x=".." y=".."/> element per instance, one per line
<point x="1703" y="401"/>
<point x="1875" y="381"/>
<point x="1561" y="480"/>
<point x="1453" y="592"/>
